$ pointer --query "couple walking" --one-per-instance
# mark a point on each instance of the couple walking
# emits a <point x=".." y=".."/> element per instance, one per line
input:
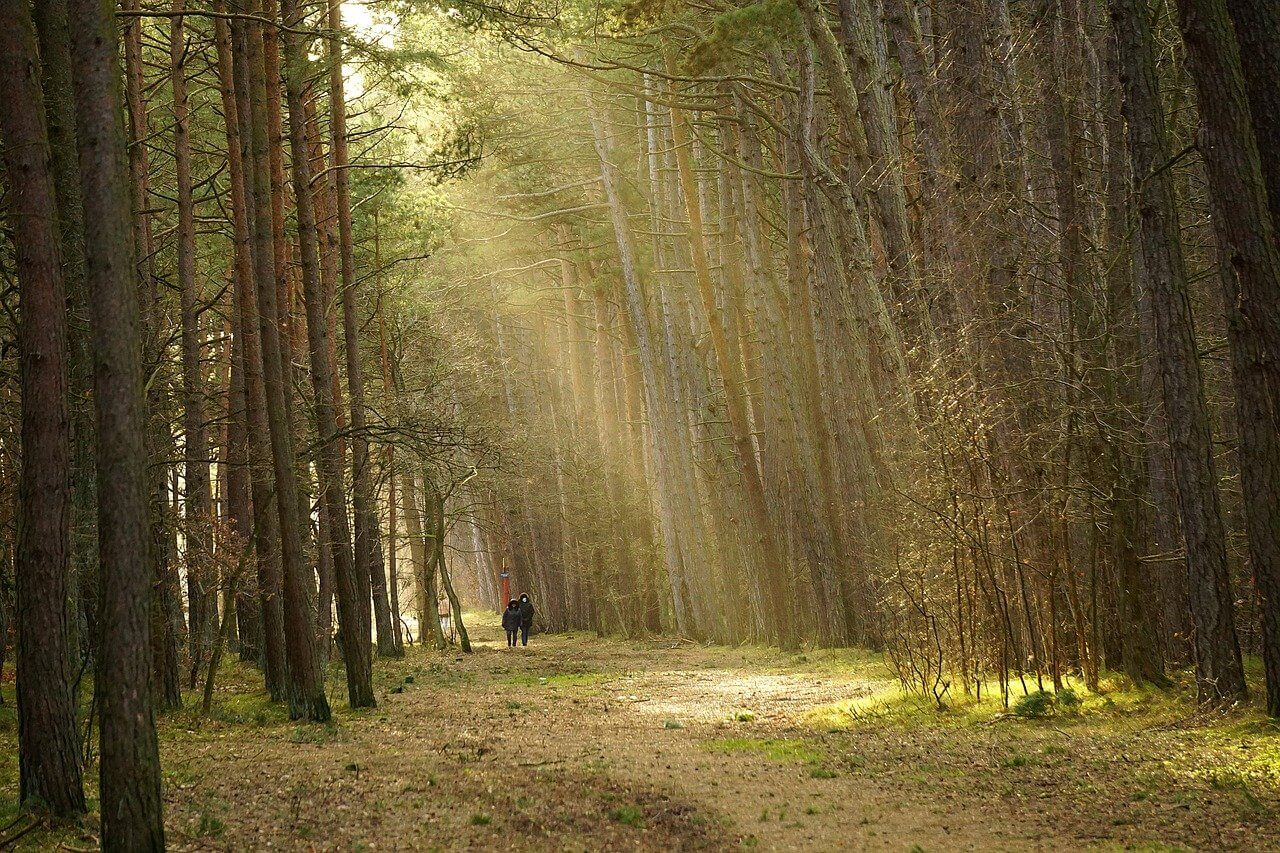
<point x="518" y="617"/>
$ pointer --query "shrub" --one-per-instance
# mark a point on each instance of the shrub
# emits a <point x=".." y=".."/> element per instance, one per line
<point x="1038" y="704"/>
<point x="1042" y="703"/>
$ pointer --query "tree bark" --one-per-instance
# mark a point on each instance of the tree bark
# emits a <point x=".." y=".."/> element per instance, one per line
<point x="863" y="38"/>
<point x="305" y="694"/>
<point x="55" y="54"/>
<point x="1257" y="28"/>
<point x="202" y="579"/>
<point x="353" y="599"/>
<point x="1219" y="675"/>
<point x="265" y="516"/>
<point x="166" y="607"/>
<point x="364" y="501"/>
<point x="1249" y="270"/>
<point x="130" y="804"/>
<point x="49" y="768"/>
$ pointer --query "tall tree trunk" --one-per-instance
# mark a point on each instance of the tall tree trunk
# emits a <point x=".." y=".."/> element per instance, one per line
<point x="1219" y="675"/>
<point x="291" y="336"/>
<point x="773" y="565"/>
<point x="49" y="768"/>
<point x="306" y="696"/>
<point x="129" y="787"/>
<point x="662" y="429"/>
<point x="364" y="500"/>
<point x="166" y="612"/>
<point x="424" y="565"/>
<point x="863" y="37"/>
<point x="388" y="390"/>
<point x="239" y="495"/>
<point x="932" y="146"/>
<point x="201" y="573"/>
<point x="265" y="516"/>
<point x="1141" y="652"/>
<point x="59" y="99"/>
<point x="435" y="500"/>
<point x="1249" y="269"/>
<point x="353" y="597"/>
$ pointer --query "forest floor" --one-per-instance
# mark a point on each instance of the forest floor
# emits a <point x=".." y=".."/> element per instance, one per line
<point x="582" y="743"/>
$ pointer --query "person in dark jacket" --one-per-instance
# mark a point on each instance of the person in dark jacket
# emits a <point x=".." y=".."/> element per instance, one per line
<point x="511" y="622"/>
<point x="526" y="618"/>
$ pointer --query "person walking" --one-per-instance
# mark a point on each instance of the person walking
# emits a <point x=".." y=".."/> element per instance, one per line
<point x="511" y="622"/>
<point x="526" y="618"/>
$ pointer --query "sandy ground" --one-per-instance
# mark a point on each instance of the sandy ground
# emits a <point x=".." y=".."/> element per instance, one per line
<point x="578" y="743"/>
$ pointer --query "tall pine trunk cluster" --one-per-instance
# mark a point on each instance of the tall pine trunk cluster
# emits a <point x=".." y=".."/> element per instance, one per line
<point x="885" y="323"/>
<point x="172" y="286"/>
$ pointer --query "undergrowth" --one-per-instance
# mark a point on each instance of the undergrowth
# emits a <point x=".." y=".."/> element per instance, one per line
<point x="1235" y="750"/>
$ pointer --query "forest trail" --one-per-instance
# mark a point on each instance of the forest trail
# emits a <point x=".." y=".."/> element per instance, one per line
<point x="582" y="743"/>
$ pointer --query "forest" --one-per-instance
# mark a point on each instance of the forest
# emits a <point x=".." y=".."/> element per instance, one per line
<point x="878" y="402"/>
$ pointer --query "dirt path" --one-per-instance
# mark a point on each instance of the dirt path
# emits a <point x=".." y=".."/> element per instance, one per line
<point x="578" y="743"/>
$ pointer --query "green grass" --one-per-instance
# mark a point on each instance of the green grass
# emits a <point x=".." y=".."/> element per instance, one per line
<point x="1013" y="761"/>
<point x="1234" y="751"/>
<point x="560" y="679"/>
<point x="1117" y="701"/>
<point x="628" y="816"/>
<point x="841" y="662"/>
<point x="775" y="749"/>
<point x="233" y="707"/>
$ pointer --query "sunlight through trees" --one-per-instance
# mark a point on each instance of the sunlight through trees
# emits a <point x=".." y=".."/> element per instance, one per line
<point x="942" y="329"/>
